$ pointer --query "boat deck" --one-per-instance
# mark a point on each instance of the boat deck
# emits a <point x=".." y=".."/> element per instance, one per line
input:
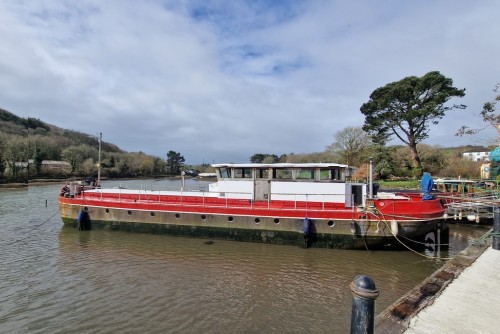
<point x="399" y="207"/>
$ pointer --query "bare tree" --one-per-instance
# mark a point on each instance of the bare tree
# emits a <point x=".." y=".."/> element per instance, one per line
<point x="351" y="146"/>
<point x="490" y="115"/>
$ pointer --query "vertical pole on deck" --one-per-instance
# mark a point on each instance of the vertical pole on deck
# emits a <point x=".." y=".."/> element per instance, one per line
<point x="364" y="294"/>
<point x="99" y="163"/>
<point x="496" y="229"/>
<point x="371" y="178"/>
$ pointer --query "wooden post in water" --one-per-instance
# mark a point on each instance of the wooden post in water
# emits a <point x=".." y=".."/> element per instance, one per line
<point x="364" y="294"/>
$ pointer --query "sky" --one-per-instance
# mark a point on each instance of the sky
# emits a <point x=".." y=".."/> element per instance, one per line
<point x="219" y="81"/>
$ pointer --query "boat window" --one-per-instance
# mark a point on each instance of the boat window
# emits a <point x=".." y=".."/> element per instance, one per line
<point x="262" y="173"/>
<point x="324" y="174"/>
<point x="305" y="174"/>
<point x="283" y="174"/>
<point x="331" y="174"/>
<point x="225" y="173"/>
<point x="242" y="173"/>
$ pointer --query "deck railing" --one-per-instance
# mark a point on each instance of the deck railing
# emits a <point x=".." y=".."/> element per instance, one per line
<point x="291" y="201"/>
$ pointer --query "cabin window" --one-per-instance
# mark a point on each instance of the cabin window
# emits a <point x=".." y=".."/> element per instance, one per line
<point x="333" y="174"/>
<point x="263" y="174"/>
<point x="304" y="174"/>
<point x="242" y="173"/>
<point x="283" y="174"/>
<point x="325" y="174"/>
<point x="225" y="173"/>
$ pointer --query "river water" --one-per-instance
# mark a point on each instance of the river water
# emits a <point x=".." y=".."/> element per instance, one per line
<point x="55" y="279"/>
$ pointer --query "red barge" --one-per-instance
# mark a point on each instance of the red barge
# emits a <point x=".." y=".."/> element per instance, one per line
<point x="311" y="204"/>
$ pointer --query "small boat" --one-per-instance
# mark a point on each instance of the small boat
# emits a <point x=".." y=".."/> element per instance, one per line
<point x="470" y="200"/>
<point x="307" y="204"/>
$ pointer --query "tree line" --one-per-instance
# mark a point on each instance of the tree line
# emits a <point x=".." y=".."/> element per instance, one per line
<point x="25" y="143"/>
<point x="390" y="162"/>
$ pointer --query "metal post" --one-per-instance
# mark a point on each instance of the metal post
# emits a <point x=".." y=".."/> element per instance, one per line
<point x="496" y="229"/>
<point x="371" y="178"/>
<point x="364" y="295"/>
<point x="99" y="163"/>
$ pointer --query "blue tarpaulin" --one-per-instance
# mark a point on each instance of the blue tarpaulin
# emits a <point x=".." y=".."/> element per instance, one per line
<point x="426" y="184"/>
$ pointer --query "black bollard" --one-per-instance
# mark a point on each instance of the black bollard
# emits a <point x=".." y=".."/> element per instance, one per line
<point x="364" y="294"/>
<point x="496" y="229"/>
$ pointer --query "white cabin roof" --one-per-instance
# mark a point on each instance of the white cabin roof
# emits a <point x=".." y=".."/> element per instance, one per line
<point x="283" y="165"/>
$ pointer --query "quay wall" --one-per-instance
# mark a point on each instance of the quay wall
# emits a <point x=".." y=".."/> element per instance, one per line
<point x="396" y="318"/>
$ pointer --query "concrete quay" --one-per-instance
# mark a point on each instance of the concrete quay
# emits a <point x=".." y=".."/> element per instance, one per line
<point x="463" y="296"/>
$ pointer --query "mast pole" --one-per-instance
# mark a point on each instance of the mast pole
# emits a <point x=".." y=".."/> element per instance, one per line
<point x="371" y="178"/>
<point x="99" y="163"/>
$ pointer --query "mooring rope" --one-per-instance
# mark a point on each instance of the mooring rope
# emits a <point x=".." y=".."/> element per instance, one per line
<point x="490" y="234"/>
<point x="33" y="229"/>
<point x="406" y="246"/>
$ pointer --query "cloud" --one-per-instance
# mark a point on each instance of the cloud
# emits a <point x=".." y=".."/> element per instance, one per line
<point x="220" y="81"/>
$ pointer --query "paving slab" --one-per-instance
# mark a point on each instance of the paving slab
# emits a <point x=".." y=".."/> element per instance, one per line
<point x="463" y="296"/>
<point x="469" y="304"/>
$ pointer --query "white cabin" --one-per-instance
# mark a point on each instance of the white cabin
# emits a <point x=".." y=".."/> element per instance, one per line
<point x="322" y="182"/>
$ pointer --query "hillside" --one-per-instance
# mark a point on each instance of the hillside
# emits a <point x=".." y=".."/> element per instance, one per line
<point x="31" y="148"/>
<point x="12" y="125"/>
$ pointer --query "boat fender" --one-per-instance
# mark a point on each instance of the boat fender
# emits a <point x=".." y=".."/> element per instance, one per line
<point x="307" y="231"/>
<point x="83" y="220"/>
<point x="307" y="226"/>
<point x="394" y="227"/>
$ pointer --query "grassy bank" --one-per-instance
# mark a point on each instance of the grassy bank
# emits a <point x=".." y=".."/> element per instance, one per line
<point x="399" y="184"/>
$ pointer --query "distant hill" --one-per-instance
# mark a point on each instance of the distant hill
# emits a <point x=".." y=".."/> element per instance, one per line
<point x="12" y="125"/>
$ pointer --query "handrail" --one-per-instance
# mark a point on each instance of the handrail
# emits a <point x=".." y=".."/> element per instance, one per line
<point x="300" y="201"/>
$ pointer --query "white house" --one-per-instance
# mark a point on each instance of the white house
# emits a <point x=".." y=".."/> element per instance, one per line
<point x="477" y="156"/>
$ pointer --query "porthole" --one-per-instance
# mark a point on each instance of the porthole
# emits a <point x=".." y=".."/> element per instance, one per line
<point x="107" y="210"/>
<point x="276" y="221"/>
<point x="86" y="209"/>
<point x="230" y="219"/>
<point x="203" y="217"/>
<point x="257" y="220"/>
<point x="129" y="212"/>
<point x="177" y="216"/>
<point x="331" y="223"/>
<point x="153" y="214"/>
